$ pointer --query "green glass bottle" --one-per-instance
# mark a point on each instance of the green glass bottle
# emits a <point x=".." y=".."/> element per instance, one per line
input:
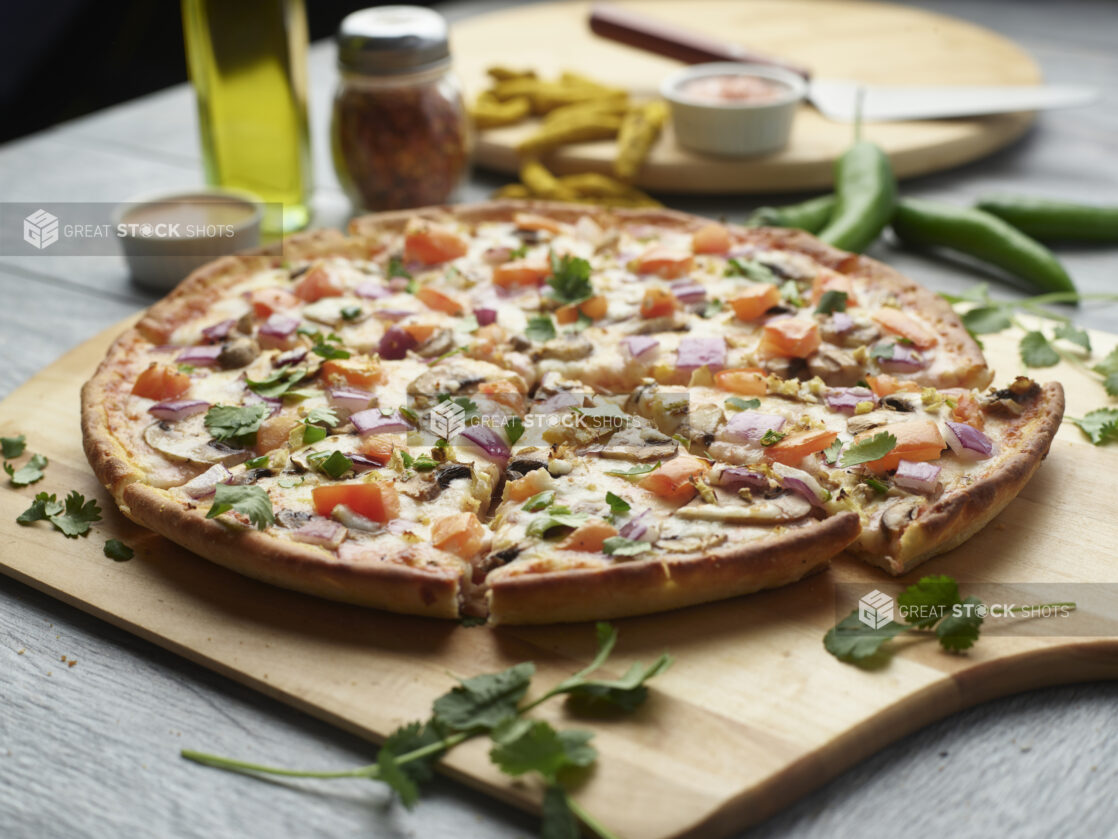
<point x="248" y="63"/>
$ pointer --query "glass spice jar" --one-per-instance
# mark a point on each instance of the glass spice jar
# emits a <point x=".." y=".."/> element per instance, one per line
<point x="400" y="132"/>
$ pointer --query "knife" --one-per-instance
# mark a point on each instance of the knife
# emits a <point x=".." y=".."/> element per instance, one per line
<point x="837" y="99"/>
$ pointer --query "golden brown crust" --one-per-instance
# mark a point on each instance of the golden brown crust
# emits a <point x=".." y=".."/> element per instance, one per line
<point x="958" y="515"/>
<point x="637" y="588"/>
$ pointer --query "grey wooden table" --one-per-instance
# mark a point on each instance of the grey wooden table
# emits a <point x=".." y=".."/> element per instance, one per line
<point x="92" y="750"/>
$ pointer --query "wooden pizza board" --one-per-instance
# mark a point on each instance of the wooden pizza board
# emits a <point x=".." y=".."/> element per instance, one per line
<point x="752" y="715"/>
<point x="874" y="43"/>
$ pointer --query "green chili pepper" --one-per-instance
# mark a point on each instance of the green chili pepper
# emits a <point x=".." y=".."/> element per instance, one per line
<point x="1055" y="220"/>
<point x="981" y="235"/>
<point x="866" y="192"/>
<point x="811" y="215"/>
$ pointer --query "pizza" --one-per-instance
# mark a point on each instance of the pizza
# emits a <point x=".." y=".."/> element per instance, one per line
<point x="536" y="413"/>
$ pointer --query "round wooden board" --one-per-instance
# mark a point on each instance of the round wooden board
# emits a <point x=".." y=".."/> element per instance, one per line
<point x="874" y="43"/>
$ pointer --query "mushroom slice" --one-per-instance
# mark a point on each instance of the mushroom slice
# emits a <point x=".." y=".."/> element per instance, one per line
<point x="565" y="348"/>
<point x="639" y="443"/>
<point x="187" y="441"/>
<point x="440" y="343"/>
<point x="782" y="508"/>
<point x="691" y="544"/>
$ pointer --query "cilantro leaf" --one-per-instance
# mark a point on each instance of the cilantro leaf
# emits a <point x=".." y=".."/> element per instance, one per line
<point x="556" y="517"/>
<point x="484" y="702"/>
<point x="790" y="292"/>
<point x="540" y="501"/>
<point x="1100" y="426"/>
<point x="979" y="293"/>
<point x="882" y="350"/>
<point x="928" y="600"/>
<point x="77" y="516"/>
<point x="251" y="501"/>
<point x="620" y="546"/>
<point x="1111" y="384"/>
<point x="393" y="774"/>
<point x="229" y="422"/>
<point x="117" y="550"/>
<point x="29" y="473"/>
<point x="42" y="508"/>
<point x="711" y="308"/>
<point x="743" y="404"/>
<point x="12" y="447"/>
<point x="852" y="641"/>
<point x="831" y="301"/>
<point x="559" y="820"/>
<point x="1036" y="351"/>
<point x="351" y="312"/>
<point x="958" y="632"/>
<point x="986" y="319"/>
<point x="514" y="429"/>
<point x="540" y="328"/>
<point x="872" y="448"/>
<point x="831" y="453"/>
<point x="313" y="432"/>
<point x="396" y="268"/>
<point x="570" y="279"/>
<point x="329" y="350"/>
<point x="1108" y="369"/>
<point x="277" y="384"/>
<point x="617" y="504"/>
<point x="1073" y="334"/>
<point x="411" y="737"/>
<point x="752" y="270"/>
<point x="771" y="437"/>
<point x="523" y="745"/>
<point x="635" y="471"/>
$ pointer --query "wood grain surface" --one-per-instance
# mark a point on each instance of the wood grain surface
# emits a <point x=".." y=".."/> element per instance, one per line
<point x="753" y="715"/>
<point x="873" y="43"/>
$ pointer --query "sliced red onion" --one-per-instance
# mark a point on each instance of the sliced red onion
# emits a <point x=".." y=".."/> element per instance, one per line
<point x="701" y="352"/>
<point x="640" y="528"/>
<point x="371" y="291"/>
<point x="846" y="399"/>
<point x="921" y="477"/>
<point x="178" y="409"/>
<point x="967" y="441"/>
<point x="218" y="331"/>
<point x="393" y="314"/>
<point x="733" y="477"/>
<point x="559" y="402"/>
<point x="400" y="526"/>
<point x="362" y="463"/>
<point x="276" y="331"/>
<point x="750" y="426"/>
<point x="290" y="357"/>
<point x="204" y="484"/>
<point x="801" y="482"/>
<point x="841" y="323"/>
<point x="395" y="343"/>
<point x="322" y="532"/>
<point x="274" y="405"/>
<point x="497" y="255"/>
<point x="485" y="315"/>
<point x="904" y="360"/>
<point x="349" y="399"/>
<point x="167" y="347"/>
<point x="639" y="345"/>
<point x="686" y="291"/>
<point x="489" y="441"/>
<point x="203" y="356"/>
<point x="373" y="421"/>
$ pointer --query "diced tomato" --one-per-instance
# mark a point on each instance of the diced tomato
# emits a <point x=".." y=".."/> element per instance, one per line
<point x="748" y="381"/>
<point x="439" y="301"/>
<point x="589" y="537"/>
<point x="672" y="481"/>
<point x="377" y="502"/>
<point x="753" y="301"/>
<point x="832" y="281"/>
<point x="916" y="440"/>
<point x="795" y="447"/>
<point x="378" y="447"/>
<point x="267" y="301"/>
<point x="461" y="534"/>
<point x="504" y="392"/>
<point x="359" y="371"/>
<point x="160" y="383"/>
<point x="420" y="331"/>
<point x="430" y="244"/>
<point x="967" y="409"/>
<point x="318" y="283"/>
<point x="275" y="431"/>
<point x="885" y="384"/>
<point x="712" y="238"/>
<point x="665" y="262"/>
<point x="658" y="303"/>
<point x="520" y="272"/>
<point x="594" y="308"/>
<point x="906" y="326"/>
<point x="790" y="337"/>
<point x="531" y="221"/>
<point x="524" y="488"/>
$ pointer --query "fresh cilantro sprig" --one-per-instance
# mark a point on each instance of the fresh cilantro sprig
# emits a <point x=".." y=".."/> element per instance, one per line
<point x="72" y="517"/>
<point x="933" y="604"/>
<point x="740" y="404"/>
<point x="12" y="447"/>
<point x="872" y="448"/>
<point x="514" y="429"/>
<point x="831" y="301"/>
<point x="751" y="270"/>
<point x="29" y="473"/>
<point x="276" y="384"/>
<point x="316" y="423"/>
<point x="251" y="501"/>
<point x="540" y="329"/>
<point x="1100" y="426"/>
<point x="570" y="279"/>
<point x="635" y="472"/>
<point x="493" y="704"/>
<point x="235" y="422"/>
<point x="117" y="551"/>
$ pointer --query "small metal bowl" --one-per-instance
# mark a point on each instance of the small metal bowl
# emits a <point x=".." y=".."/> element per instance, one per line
<point x="165" y="237"/>
<point x="728" y="127"/>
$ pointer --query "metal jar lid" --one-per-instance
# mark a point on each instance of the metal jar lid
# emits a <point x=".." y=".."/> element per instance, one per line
<point x="390" y="40"/>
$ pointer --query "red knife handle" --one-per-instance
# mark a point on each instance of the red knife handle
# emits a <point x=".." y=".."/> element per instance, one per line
<point x="646" y="34"/>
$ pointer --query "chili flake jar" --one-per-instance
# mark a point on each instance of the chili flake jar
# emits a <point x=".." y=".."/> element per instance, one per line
<point x="400" y="132"/>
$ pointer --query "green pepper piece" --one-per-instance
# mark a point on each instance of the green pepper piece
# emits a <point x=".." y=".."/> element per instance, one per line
<point x="1049" y="220"/>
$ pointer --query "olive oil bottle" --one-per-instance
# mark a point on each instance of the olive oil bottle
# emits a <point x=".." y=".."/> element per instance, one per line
<point x="248" y="63"/>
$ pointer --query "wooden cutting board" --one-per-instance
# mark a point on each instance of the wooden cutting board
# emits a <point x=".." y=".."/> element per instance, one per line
<point x="753" y="714"/>
<point x="875" y="43"/>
